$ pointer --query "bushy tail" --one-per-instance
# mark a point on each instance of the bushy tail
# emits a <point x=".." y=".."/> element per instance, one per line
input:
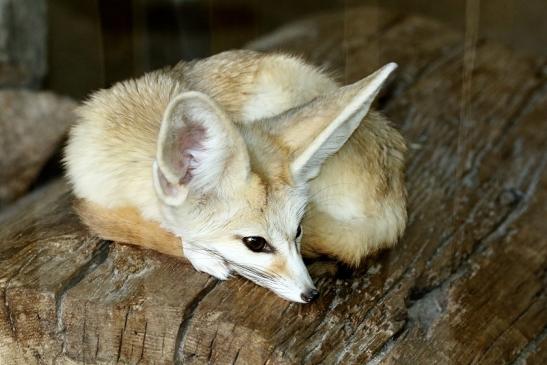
<point x="351" y="241"/>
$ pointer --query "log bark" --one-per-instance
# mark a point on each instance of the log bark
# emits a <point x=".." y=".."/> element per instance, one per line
<point x="466" y="284"/>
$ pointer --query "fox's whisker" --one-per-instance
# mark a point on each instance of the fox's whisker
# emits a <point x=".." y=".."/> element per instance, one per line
<point x="229" y="154"/>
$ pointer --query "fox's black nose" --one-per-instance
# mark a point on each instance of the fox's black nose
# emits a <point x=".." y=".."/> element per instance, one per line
<point x="310" y="295"/>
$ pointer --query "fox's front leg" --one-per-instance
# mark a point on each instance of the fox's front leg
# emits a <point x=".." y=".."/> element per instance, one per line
<point x="206" y="261"/>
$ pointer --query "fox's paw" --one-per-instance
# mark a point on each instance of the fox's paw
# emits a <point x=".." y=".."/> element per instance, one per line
<point x="206" y="261"/>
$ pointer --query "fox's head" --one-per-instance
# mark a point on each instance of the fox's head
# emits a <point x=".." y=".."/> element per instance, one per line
<point x="236" y="194"/>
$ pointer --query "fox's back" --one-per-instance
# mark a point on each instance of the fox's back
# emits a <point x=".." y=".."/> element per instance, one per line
<point x="113" y="144"/>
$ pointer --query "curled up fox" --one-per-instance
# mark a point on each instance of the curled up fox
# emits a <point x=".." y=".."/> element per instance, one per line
<point x="242" y="162"/>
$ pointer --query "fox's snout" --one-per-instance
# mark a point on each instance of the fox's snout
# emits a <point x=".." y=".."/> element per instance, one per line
<point x="306" y="293"/>
<point x="298" y="285"/>
<point x="310" y="295"/>
<point x="234" y="163"/>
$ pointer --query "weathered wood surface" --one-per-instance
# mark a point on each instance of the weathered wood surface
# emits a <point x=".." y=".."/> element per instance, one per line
<point x="466" y="284"/>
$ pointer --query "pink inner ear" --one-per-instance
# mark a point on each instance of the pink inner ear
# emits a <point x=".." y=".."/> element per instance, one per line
<point x="168" y="188"/>
<point x="189" y="140"/>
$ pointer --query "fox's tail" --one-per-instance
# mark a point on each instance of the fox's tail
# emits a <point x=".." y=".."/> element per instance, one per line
<point x="350" y="241"/>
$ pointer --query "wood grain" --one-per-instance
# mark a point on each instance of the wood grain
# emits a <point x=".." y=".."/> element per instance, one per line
<point x="466" y="285"/>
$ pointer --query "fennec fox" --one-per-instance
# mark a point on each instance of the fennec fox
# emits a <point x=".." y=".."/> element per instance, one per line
<point x="250" y="159"/>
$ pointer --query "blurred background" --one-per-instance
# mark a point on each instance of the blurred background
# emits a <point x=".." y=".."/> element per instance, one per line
<point x="466" y="284"/>
<point x="93" y="43"/>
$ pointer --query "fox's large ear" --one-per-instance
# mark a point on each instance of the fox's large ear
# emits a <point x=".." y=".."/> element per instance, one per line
<point x="320" y="128"/>
<point x="198" y="149"/>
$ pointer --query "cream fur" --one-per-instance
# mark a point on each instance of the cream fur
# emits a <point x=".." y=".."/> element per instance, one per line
<point x="356" y="202"/>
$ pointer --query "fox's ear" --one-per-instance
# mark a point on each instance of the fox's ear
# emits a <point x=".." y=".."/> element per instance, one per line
<point x="320" y="128"/>
<point x="198" y="149"/>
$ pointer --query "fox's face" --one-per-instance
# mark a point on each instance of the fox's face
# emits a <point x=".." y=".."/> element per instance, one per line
<point x="236" y="194"/>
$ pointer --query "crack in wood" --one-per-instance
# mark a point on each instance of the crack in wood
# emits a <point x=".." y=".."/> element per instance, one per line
<point x="315" y="344"/>
<point x="143" y="342"/>
<point x="497" y="230"/>
<point x="98" y="257"/>
<point x="451" y="54"/>
<point x="339" y="326"/>
<point x="178" y="356"/>
<point x="381" y="298"/>
<point x="121" y="335"/>
<point x="480" y="356"/>
<point x="379" y="355"/>
<point x="97" y="345"/>
<point x="9" y="312"/>
<point x="525" y="105"/>
<point x="282" y="346"/>
<point x="531" y="348"/>
<point x="162" y="345"/>
<point x="84" y="333"/>
<point x="234" y="361"/>
<point x="211" y="346"/>
<point x="406" y="274"/>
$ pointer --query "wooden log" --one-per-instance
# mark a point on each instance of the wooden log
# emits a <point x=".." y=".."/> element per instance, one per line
<point x="466" y="284"/>
<point x="43" y="252"/>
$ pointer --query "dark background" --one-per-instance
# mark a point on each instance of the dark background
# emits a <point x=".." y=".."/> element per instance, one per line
<point x="94" y="43"/>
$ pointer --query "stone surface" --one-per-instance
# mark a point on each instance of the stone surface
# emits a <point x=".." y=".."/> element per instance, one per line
<point x="32" y="126"/>
<point x="23" y="42"/>
<point x="466" y="284"/>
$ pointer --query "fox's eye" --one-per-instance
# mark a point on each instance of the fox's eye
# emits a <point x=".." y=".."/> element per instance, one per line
<point x="299" y="231"/>
<point x="257" y="244"/>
